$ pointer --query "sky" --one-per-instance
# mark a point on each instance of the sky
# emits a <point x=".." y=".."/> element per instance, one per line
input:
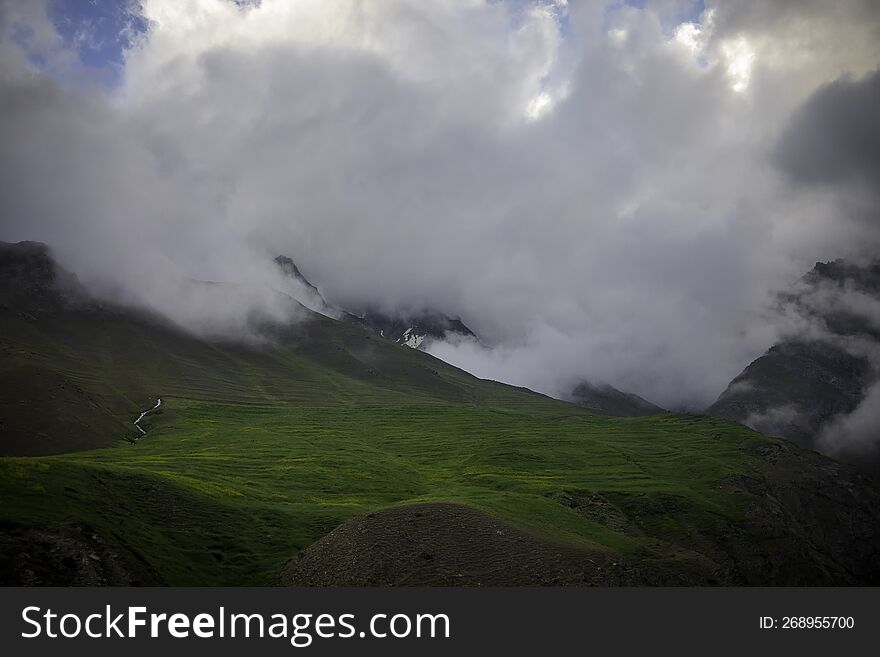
<point x="601" y="190"/>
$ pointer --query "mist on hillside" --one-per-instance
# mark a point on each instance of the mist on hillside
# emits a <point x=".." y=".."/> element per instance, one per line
<point x="609" y="191"/>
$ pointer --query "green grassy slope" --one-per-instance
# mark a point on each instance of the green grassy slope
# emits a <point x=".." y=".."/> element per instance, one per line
<point x="77" y="378"/>
<point x="225" y="492"/>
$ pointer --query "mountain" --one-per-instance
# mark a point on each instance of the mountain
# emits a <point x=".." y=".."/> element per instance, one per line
<point x="323" y="454"/>
<point x="415" y="330"/>
<point x="420" y="329"/>
<point x="27" y="273"/>
<point x="795" y="389"/>
<point x="805" y="383"/>
<point x="608" y="400"/>
<point x="304" y="291"/>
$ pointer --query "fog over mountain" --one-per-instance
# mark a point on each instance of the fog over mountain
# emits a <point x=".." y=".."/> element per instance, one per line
<point x="601" y="190"/>
<point x="818" y="386"/>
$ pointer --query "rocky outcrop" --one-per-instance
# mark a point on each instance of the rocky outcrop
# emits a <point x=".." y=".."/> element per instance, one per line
<point x="412" y="330"/>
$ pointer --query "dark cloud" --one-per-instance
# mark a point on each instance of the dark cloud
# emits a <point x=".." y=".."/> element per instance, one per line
<point x="805" y="15"/>
<point x="835" y="136"/>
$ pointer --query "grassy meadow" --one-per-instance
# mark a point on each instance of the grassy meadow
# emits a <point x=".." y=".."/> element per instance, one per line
<point x="224" y="493"/>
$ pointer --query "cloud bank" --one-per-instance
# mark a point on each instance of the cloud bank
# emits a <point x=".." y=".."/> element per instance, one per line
<point x="599" y="190"/>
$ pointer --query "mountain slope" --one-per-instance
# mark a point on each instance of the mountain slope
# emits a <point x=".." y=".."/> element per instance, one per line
<point x="800" y="387"/>
<point x="262" y="449"/>
<point x="795" y="389"/>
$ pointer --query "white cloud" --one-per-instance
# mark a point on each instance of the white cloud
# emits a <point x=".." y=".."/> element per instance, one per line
<point x="856" y="435"/>
<point x="739" y="58"/>
<point x="580" y="183"/>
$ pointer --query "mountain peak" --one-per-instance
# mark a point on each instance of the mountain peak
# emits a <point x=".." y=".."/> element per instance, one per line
<point x="806" y="387"/>
<point x="309" y="295"/>
<point x="29" y="272"/>
<point x="288" y="266"/>
<point x="863" y="277"/>
<point x="26" y="265"/>
<point x="414" y="330"/>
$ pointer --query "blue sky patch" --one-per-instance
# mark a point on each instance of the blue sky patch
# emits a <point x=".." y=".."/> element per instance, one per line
<point x="98" y="31"/>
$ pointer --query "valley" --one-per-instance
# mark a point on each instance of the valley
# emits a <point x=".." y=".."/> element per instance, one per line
<point x="261" y="454"/>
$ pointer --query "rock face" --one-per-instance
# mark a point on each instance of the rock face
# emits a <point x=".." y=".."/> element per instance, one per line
<point x="803" y="386"/>
<point x="25" y="266"/>
<point x="413" y="330"/>
<point x="29" y="277"/>
<point x="815" y="522"/>
<point x="608" y="400"/>
<point x="304" y="292"/>
<point x="289" y="267"/>
<point x="795" y="389"/>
